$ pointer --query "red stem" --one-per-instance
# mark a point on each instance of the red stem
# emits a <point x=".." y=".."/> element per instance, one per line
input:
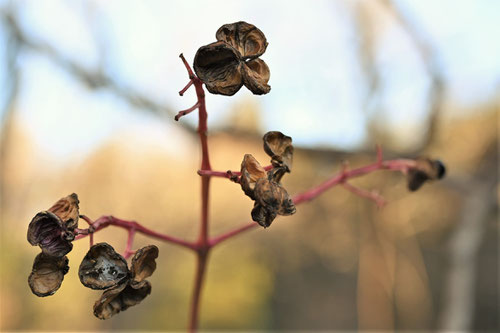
<point x="202" y="245"/>
<point x="105" y="221"/>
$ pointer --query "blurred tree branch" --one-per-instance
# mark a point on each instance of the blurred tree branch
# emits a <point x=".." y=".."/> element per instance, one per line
<point x="93" y="79"/>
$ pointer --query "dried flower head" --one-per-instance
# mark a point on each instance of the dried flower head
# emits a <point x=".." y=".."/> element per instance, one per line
<point x="231" y="62"/>
<point x="47" y="274"/>
<point x="271" y="198"/>
<point x="53" y="230"/>
<point x="426" y="169"/>
<point x="103" y="268"/>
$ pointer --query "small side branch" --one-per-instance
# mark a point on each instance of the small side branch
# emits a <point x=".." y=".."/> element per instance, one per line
<point x="187" y="111"/>
<point x="130" y="243"/>
<point x="371" y="195"/>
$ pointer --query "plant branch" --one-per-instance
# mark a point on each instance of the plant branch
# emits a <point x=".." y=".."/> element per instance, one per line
<point x="401" y="165"/>
<point x="105" y="221"/>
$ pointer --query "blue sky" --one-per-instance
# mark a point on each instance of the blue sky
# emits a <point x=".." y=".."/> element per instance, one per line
<point x="317" y="84"/>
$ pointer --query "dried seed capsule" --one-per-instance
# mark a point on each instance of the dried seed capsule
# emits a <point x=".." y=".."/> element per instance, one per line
<point x="256" y="75"/>
<point x="143" y="263"/>
<point x="244" y="37"/>
<point x="251" y="171"/>
<point x="271" y="199"/>
<point x="426" y="169"/>
<point x="279" y="147"/>
<point x="67" y="210"/>
<point x="218" y="65"/>
<point x="49" y="232"/>
<point x="103" y="268"/>
<point x="47" y="274"/>
<point x="120" y="298"/>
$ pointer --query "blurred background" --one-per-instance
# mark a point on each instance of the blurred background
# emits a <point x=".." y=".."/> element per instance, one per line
<point x="88" y="91"/>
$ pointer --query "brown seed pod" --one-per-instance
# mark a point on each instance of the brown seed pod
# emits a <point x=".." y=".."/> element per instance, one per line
<point x="256" y="75"/>
<point x="120" y="298"/>
<point x="426" y="169"/>
<point x="279" y="147"/>
<point x="67" y="210"/>
<point x="244" y="37"/>
<point x="251" y="171"/>
<point x="103" y="268"/>
<point x="47" y="274"/>
<point x="218" y="65"/>
<point x="271" y="199"/>
<point x="49" y="232"/>
<point x="143" y="263"/>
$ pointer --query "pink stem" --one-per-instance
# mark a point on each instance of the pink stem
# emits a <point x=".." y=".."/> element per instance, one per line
<point x="226" y="174"/>
<point x="371" y="195"/>
<point x="202" y="245"/>
<point x="190" y="83"/>
<point x="187" y="111"/>
<point x="105" y="221"/>
<point x="130" y="243"/>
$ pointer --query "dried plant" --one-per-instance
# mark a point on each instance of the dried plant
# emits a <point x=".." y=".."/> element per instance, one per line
<point x="223" y="67"/>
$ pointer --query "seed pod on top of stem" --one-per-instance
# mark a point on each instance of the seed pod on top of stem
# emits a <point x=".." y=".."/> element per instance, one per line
<point x="426" y="169"/>
<point x="231" y="62"/>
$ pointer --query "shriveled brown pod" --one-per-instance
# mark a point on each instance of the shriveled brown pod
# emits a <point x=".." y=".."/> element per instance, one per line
<point x="218" y="65"/>
<point x="244" y="37"/>
<point x="262" y="215"/>
<point x="47" y="274"/>
<point x="271" y="199"/>
<point x="120" y="298"/>
<point x="143" y="263"/>
<point x="280" y="148"/>
<point x="49" y="232"/>
<point x="251" y="171"/>
<point x="103" y="268"/>
<point x="256" y="75"/>
<point x="67" y="210"/>
<point x="425" y="169"/>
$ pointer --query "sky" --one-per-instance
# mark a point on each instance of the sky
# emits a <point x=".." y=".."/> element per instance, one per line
<point x="317" y="83"/>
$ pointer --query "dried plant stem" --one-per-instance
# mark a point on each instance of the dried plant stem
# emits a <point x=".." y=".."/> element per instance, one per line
<point x="204" y="243"/>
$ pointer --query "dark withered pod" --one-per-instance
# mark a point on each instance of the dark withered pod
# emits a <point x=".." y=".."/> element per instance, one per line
<point x="143" y="263"/>
<point x="53" y="230"/>
<point x="49" y="232"/>
<point x="102" y="267"/>
<point x="231" y="62"/>
<point x="218" y="65"/>
<point x="271" y="198"/>
<point x="279" y="147"/>
<point x="425" y="170"/>
<point x="47" y="274"/>
<point x="251" y="171"/>
<point x="244" y="37"/>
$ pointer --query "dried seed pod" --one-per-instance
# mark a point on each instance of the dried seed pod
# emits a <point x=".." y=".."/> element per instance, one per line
<point x="143" y="263"/>
<point x="251" y="171"/>
<point x="103" y="268"/>
<point x="67" y="210"/>
<point x="218" y="65"/>
<point x="120" y="298"/>
<point x="244" y="37"/>
<point x="49" y="232"/>
<point x="270" y="199"/>
<point x="426" y="169"/>
<point x="256" y="75"/>
<point x="262" y="215"/>
<point x="47" y="274"/>
<point x="279" y="147"/>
